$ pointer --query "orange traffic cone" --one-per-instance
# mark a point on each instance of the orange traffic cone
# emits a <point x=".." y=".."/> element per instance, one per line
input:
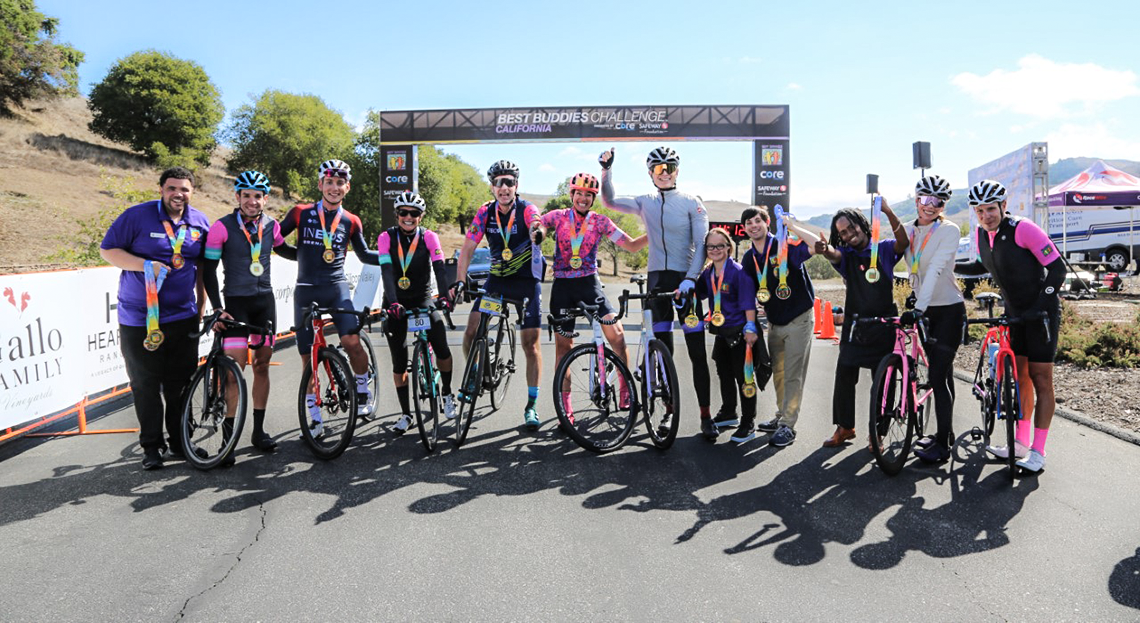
<point x="828" y="332"/>
<point x="818" y="320"/>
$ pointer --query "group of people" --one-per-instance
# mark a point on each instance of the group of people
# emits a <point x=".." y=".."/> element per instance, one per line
<point x="169" y="253"/>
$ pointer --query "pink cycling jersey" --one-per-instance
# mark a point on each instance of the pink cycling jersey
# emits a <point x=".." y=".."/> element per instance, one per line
<point x="564" y="225"/>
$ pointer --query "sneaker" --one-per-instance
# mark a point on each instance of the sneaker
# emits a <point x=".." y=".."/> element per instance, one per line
<point x="924" y="442"/>
<point x="708" y="429"/>
<point x="1002" y="452"/>
<point x="403" y="424"/>
<point x="316" y="428"/>
<point x="262" y="441"/>
<point x="152" y="459"/>
<point x="783" y="437"/>
<point x="665" y="425"/>
<point x="449" y="406"/>
<point x="1035" y="462"/>
<point x="725" y="419"/>
<point x="746" y="432"/>
<point x="530" y="419"/>
<point x="364" y="407"/>
<point x="933" y="453"/>
<point x="175" y="452"/>
<point x="769" y="426"/>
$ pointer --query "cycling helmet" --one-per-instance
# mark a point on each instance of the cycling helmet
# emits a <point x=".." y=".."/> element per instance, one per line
<point x="411" y="200"/>
<point x="335" y="168"/>
<point x="986" y="191"/>
<point x="503" y="167"/>
<point x="585" y="183"/>
<point x="933" y="186"/>
<point x="662" y="155"/>
<point x="252" y="180"/>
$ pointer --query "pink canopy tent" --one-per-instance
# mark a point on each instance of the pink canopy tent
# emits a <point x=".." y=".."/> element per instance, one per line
<point x="1098" y="187"/>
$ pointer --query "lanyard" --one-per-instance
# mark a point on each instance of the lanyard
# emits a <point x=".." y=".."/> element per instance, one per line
<point x="326" y="234"/>
<point x="254" y="247"/>
<point x="762" y="273"/>
<point x="175" y="242"/>
<point x="405" y="263"/>
<point x="782" y="290"/>
<point x="505" y="233"/>
<point x="918" y="251"/>
<point x="749" y="389"/>
<point x="716" y="284"/>
<point x="579" y="232"/>
<point x="876" y="207"/>
<point x="154" y="335"/>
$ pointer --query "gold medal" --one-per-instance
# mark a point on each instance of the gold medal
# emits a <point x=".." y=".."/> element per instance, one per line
<point x="575" y="262"/>
<point x="507" y="255"/>
<point x="783" y="292"/>
<point x="692" y="321"/>
<point x="404" y="283"/>
<point x="154" y="339"/>
<point x="177" y="261"/>
<point x="872" y="275"/>
<point x="329" y="256"/>
<point x="749" y="390"/>
<point x="717" y="319"/>
<point x="763" y="295"/>
<point x="256" y="269"/>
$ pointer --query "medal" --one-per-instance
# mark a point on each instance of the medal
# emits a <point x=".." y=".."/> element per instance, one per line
<point x="329" y="256"/>
<point x="692" y="321"/>
<point x="872" y="275"/>
<point x="505" y="233"/>
<point x="507" y="255"/>
<point x="916" y="252"/>
<point x="763" y="296"/>
<point x="404" y="283"/>
<point x="575" y="262"/>
<point x="154" y="339"/>
<point x="576" y="241"/>
<point x="152" y="284"/>
<point x="717" y="319"/>
<point x="762" y="293"/>
<point x="876" y="207"/>
<point x="715" y="287"/>
<point x="176" y="260"/>
<point x="749" y="390"/>
<point x="256" y="269"/>
<point x="783" y="292"/>
<point x="326" y="236"/>
<point x="405" y="261"/>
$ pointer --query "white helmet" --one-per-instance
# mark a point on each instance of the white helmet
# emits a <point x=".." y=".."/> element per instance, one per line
<point x="410" y="199"/>
<point x="933" y="186"/>
<point x="662" y="155"/>
<point x="335" y="168"/>
<point x="986" y="191"/>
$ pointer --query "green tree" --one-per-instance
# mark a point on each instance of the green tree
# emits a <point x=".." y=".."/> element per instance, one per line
<point x="287" y="136"/>
<point x="159" y="105"/>
<point x="32" y="64"/>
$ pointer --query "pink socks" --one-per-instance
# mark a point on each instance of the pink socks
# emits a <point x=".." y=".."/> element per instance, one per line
<point x="1039" y="436"/>
<point x="1023" y="429"/>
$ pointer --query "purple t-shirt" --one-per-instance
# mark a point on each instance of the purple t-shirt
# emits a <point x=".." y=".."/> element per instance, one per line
<point x="139" y="231"/>
<point x="737" y="292"/>
<point x="565" y="224"/>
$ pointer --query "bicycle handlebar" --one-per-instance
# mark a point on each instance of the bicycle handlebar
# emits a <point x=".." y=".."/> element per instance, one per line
<point x="923" y="326"/>
<point x="580" y="310"/>
<point x="1006" y="321"/>
<point x="482" y="292"/>
<point x="366" y="315"/>
<point x="216" y="317"/>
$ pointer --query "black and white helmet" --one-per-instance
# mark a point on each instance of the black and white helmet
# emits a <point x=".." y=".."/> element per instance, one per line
<point x="662" y="155"/>
<point x="933" y="186"/>
<point x="409" y="199"/>
<point x="503" y="167"/>
<point x="335" y="168"/>
<point x="986" y="191"/>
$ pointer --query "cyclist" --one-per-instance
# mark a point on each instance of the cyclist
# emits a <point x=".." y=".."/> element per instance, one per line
<point x="578" y="233"/>
<point x="676" y="224"/>
<point x="1027" y="267"/>
<point x="406" y="252"/>
<point x="848" y="248"/>
<point x="235" y="240"/>
<point x="167" y="237"/>
<point x="731" y="295"/>
<point x="324" y="231"/>
<point x="790" y="317"/>
<point x="935" y="296"/>
<point x="514" y="232"/>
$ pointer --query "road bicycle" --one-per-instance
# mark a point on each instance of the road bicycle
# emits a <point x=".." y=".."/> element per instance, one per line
<point x="490" y="363"/>
<point x="659" y="395"/>
<point x="331" y="380"/>
<point x="213" y="411"/>
<point x="899" y="393"/>
<point x="593" y="385"/>
<point x="425" y="379"/>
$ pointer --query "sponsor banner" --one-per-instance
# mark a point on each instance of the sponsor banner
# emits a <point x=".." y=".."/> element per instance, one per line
<point x="584" y="123"/>
<point x="399" y="172"/>
<point x="771" y="173"/>
<point x="1074" y="199"/>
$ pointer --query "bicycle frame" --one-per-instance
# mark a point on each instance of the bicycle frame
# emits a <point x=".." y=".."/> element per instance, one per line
<point x="318" y="323"/>
<point x="597" y="371"/>
<point x="645" y="371"/>
<point x="908" y="346"/>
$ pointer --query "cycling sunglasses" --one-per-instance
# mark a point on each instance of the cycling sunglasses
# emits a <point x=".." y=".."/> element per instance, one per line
<point x="928" y="200"/>
<point x="509" y="182"/>
<point x="658" y="169"/>
<point x="341" y="173"/>
<point x="411" y="213"/>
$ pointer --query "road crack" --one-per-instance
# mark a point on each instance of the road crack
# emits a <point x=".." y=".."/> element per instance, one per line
<point x="237" y="560"/>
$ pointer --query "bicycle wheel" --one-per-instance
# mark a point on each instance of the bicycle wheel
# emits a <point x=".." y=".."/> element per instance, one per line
<point x="660" y="394"/>
<point x="470" y="389"/>
<point x="892" y="426"/>
<point x="208" y="436"/>
<point x="502" y="364"/>
<point x="425" y="395"/>
<point x="1009" y="405"/>
<point x="373" y="376"/>
<point x="589" y="399"/>
<point x="330" y="431"/>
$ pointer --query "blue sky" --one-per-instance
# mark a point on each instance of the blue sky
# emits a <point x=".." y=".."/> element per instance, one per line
<point x="863" y="80"/>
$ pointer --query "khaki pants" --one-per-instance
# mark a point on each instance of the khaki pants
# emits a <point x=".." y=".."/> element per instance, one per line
<point x="790" y="346"/>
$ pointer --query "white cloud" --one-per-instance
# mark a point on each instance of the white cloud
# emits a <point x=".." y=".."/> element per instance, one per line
<point x="1092" y="141"/>
<point x="792" y="86"/>
<point x="547" y="167"/>
<point x="1046" y="89"/>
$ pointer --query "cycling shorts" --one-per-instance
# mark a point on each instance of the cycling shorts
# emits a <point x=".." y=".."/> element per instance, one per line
<point x="569" y="292"/>
<point x="326" y="295"/>
<point x="519" y="289"/>
<point x="396" y="331"/>
<point x="1027" y="339"/>
<point x="259" y="310"/>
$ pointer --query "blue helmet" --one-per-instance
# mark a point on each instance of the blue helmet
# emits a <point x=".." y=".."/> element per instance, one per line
<point x="252" y="180"/>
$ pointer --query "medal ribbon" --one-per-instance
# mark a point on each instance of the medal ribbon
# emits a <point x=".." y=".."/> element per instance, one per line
<point x="326" y="235"/>
<point x="175" y="242"/>
<point x="749" y="371"/>
<point x="153" y="285"/>
<point x="716" y="286"/>
<point x="254" y="247"/>
<point x="505" y="233"/>
<point x="405" y="263"/>
<point x="782" y="249"/>
<point x="762" y="273"/>
<point x="876" y="209"/>
<point x="579" y="233"/>
<point x="918" y="250"/>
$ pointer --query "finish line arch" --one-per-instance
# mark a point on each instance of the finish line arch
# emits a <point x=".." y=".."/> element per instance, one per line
<point x="768" y="127"/>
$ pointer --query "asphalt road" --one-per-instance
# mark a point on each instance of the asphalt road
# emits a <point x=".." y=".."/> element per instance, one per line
<point x="526" y="527"/>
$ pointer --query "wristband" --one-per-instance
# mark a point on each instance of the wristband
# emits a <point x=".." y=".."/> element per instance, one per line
<point x="750" y="327"/>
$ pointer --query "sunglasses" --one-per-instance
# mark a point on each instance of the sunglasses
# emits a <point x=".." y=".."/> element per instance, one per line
<point x="716" y="247"/>
<point x="341" y="173"/>
<point x="928" y="200"/>
<point x="509" y="182"/>
<point x="411" y="213"/>
<point x="658" y="169"/>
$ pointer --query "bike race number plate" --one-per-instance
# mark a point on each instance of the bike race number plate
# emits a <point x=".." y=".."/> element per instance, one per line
<point x="491" y="305"/>
<point x="419" y="323"/>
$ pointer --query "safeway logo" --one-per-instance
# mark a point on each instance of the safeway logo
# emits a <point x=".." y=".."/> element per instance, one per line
<point x="10" y="296"/>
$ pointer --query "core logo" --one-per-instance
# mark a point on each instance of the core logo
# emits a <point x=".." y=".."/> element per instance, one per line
<point x="771" y="175"/>
<point x="396" y="179"/>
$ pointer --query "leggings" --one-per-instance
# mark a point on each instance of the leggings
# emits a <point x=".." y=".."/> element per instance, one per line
<point x="942" y="344"/>
<point x="397" y="333"/>
<point x="730" y="370"/>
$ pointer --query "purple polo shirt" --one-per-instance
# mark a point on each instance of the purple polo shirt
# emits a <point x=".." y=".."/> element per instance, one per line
<point x="139" y="231"/>
<point x="737" y="293"/>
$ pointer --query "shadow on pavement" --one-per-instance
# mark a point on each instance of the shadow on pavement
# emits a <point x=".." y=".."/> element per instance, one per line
<point x="1124" y="583"/>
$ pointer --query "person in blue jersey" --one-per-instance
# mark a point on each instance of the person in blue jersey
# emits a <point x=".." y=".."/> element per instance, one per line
<point x="324" y="232"/>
